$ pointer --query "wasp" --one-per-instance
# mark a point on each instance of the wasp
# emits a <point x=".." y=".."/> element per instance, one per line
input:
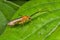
<point x="21" y="20"/>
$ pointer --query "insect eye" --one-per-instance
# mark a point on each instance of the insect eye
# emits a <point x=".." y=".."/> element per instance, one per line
<point x="29" y="18"/>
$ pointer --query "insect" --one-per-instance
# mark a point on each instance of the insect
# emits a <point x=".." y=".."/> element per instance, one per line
<point x="21" y="20"/>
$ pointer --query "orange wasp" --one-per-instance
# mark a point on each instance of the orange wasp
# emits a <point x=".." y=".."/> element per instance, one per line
<point x="21" y="20"/>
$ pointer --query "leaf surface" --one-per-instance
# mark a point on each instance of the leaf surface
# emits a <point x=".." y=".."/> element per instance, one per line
<point x="3" y="23"/>
<point x="43" y="26"/>
<point x="7" y="10"/>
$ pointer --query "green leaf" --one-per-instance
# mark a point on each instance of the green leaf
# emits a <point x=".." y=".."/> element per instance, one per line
<point x="3" y="22"/>
<point x="19" y="2"/>
<point x="15" y="4"/>
<point x="12" y="4"/>
<point x="7" y="10"/>
<point x="55" y="35"/>
<point x="1" y="0"/>
<point x="43" y="26"/>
